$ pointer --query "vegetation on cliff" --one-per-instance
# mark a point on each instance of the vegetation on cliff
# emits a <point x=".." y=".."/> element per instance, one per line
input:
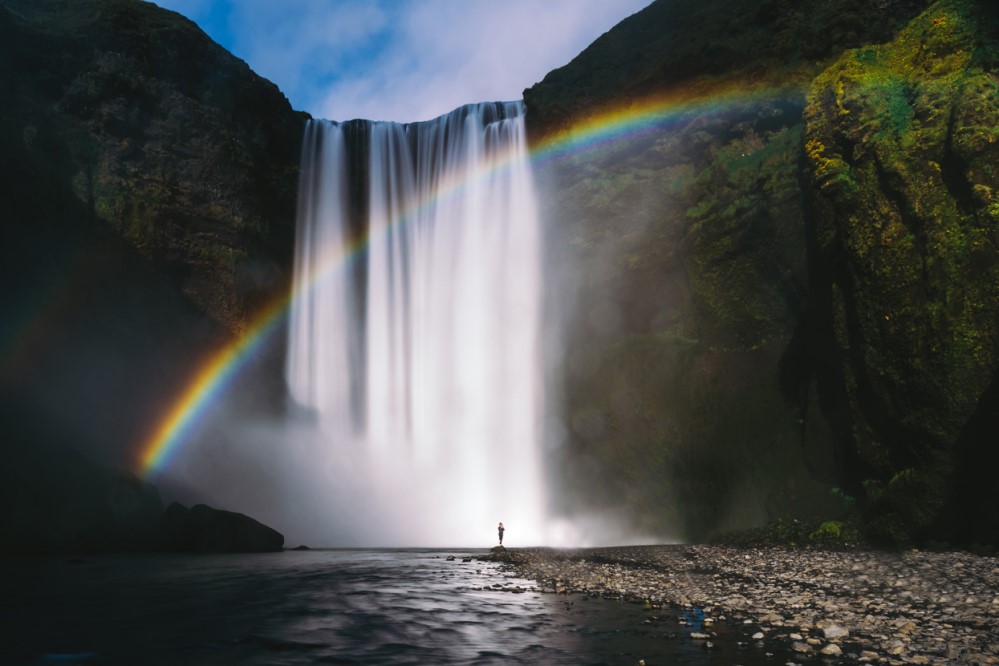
<point x="787" y="290"/>
<point x="902" y="154"/>
<point x="682" y="43"/>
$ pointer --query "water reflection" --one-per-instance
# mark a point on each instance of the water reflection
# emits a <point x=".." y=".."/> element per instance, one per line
<point x="331" y="607"/>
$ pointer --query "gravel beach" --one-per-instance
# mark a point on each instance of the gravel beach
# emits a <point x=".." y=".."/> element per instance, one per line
<point x="911" y="607"/>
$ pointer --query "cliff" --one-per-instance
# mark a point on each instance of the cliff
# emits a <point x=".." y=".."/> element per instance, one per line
<point x="149" y="182"/>
<point x="159" y="135"/>
<point x="785" y="285"/>
<point x="901" y="158"/>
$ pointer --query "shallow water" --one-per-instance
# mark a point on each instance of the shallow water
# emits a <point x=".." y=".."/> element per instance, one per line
<point x="327" y="607"/>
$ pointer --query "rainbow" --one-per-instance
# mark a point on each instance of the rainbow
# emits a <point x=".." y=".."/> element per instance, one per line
<point x="215" y="374"/>
<point x="210" y="381"/>
<point x="601" y="129"/>
<point x="652" y="114"/>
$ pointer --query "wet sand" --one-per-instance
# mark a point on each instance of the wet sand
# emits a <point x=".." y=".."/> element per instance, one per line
<point x="910" y="607"/>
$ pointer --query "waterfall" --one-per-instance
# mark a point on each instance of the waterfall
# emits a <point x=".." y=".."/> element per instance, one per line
<point x="414" y="331"/>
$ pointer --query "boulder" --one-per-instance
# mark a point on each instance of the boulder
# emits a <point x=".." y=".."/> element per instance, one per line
<point x="202" y="529"/>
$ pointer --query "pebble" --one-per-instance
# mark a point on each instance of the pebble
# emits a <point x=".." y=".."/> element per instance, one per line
<point x="831" y="631"/>
<point x="890" y="608"/>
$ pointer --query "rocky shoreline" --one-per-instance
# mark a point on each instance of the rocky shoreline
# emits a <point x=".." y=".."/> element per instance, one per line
<point x="910" y="607"/>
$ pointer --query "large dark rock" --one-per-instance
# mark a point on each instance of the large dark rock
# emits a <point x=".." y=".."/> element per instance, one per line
<point x="203" y="529"/>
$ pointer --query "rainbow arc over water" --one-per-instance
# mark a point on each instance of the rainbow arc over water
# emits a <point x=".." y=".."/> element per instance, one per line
<point x="600" y="130"/>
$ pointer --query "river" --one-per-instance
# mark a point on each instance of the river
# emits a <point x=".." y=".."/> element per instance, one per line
<point x="329" y="607"/>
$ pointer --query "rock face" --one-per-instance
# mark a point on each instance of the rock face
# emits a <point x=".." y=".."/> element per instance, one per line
<point x="149" y="182"/>
<point x="161" y="135"/>
<point x="902" y="156"/>
<point x="679" y="42"/>
<point x="203" y="529"/>
<point x="784" y="304"/>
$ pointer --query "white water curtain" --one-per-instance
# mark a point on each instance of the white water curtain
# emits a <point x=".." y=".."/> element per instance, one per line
<point x="419" y="349"/>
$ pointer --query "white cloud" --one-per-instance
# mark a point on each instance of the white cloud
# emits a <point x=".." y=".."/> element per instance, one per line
<point x="405" y="60"/>
<point x="302" y="44"/>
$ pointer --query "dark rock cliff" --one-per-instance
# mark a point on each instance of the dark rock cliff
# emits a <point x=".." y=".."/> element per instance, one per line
<point x="784" y="304"/>
<point x="149" y="182"/>
<point x="161" y="135"/>
<point x="674" y="43"/>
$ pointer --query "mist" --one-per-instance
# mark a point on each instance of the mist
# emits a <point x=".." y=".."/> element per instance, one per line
<point x="322" y="489"/>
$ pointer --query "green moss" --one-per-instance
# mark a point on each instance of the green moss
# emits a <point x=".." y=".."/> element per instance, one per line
<point x="831" y="529"/>
<point x="740" y="203"/>
<point x="873" y="490"/>
<point x="899" y="147"/>
<point x="906" y="508"/>
<point x="828" y="535"/>
<point x="848" y="501"/>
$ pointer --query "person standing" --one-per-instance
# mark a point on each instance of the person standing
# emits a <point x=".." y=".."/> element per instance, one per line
<point x="501" y="529"/>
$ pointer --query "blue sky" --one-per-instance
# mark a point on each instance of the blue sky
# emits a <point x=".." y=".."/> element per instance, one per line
<point x="402" y="60"/>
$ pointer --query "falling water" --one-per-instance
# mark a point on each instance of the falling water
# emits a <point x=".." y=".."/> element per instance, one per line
<point x="414" y="334"/>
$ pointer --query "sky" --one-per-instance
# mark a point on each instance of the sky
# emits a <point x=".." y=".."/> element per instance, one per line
<point x="403" y="60"/>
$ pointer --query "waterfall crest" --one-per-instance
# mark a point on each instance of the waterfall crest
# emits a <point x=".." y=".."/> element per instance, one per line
<point x="414" y="333"/>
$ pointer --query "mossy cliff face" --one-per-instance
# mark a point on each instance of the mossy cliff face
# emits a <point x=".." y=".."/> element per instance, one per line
<point x="160" y="135"/>
<point x="902" y="143"/>
<point x="690" y="279"/>
<point x="785" y="301"/>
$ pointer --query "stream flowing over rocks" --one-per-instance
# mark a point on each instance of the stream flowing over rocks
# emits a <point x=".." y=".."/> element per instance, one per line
<point x="910" y="607"/>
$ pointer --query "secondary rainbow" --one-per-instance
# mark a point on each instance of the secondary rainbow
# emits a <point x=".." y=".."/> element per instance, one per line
<point x="215" y="374"/>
